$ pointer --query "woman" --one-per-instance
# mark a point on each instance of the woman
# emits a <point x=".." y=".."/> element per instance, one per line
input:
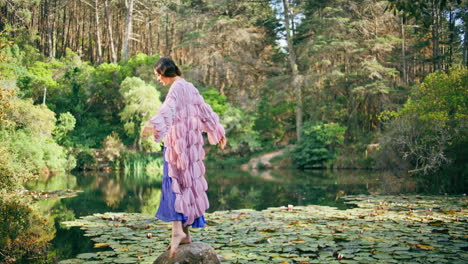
<point x="182" y="118"/>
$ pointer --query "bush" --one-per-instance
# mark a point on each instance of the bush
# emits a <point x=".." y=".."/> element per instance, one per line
<point x="112" y="146"/>
<point x="65" y="124"/>
<point x="135" y="161"/>
<point x="149" y="145"/>
<point x="318" y="144"/>
<point x="430" y="132"/>
<point x="85" y="160"/>
<point x="154" y="169"/>
<point x="24" y="234"/>
<point x="239" y="125"/>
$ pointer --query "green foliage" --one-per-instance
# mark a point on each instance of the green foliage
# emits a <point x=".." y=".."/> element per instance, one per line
<point x="26" y="142"/>
<point x="347" y="62"/>
<point x="112" y="146"/>
<point x="141" y="102"/>
<point x="85" y="160"/>
<point x="318" y="144"/>
<point x="441" y="98"/>
<point x="238" y="124"/>
<point x="24" y="234"/>
<point x="240" y="130"/>
<point x="154" y="169"/>
<point x="430" y="131"/>
<point x="215" y="100"/>
<point x="275" y="117"/>
<point x="94" y="96"/>
<point x="140" y="65"/>
<point x="149" y="145"/>
<point x="36" y="120"/>
<point x="66" y="123"/>
<point x="39" y="154"/>
<point x="12" y="173"/>
<point x="136" y="162"/>
<point x="40" y="76"/>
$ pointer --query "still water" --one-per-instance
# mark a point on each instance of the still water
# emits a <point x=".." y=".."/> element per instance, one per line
<point x="228" y="190"/>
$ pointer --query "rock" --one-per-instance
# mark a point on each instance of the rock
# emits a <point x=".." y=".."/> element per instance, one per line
<point x="244" y="167"/>
<point x="371" y="148"/>
<point x="193" y="253"/>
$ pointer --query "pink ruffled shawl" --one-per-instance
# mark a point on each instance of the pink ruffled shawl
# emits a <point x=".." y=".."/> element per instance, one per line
<point x="180" y="121"/>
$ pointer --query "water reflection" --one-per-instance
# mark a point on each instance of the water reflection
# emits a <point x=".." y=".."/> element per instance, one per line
<point x="228" y="190"/>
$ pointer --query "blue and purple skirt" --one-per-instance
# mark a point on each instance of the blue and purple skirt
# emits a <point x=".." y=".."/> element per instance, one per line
<point x="166" y="211"/>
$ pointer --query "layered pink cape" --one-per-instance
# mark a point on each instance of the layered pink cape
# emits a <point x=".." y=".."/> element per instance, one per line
<point x="180" y="121"/>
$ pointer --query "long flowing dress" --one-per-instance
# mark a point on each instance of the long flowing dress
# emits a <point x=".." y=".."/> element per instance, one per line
<point x="180" y="121"/>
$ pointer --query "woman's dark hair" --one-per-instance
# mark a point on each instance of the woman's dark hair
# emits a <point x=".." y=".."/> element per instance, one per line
<point x="167" y="67"/>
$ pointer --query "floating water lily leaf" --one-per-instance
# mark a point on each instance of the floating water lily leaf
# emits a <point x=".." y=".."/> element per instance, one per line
<point x="100" y="245"/>
<point x="126" y="260"/>
<point x="71" y="261"/>
<point x="87" y="256"/>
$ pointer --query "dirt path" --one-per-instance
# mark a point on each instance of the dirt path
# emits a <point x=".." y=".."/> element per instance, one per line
<point x="264" y="160"/>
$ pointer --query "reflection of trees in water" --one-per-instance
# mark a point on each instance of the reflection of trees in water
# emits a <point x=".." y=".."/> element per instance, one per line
<point x="272" y="188"/>
<point x="151" y="201"/>
<point x="112" y="191"/>
<point x="103" y="192"/>
<point x="61" y="181"/>
<point x="116" y="189"/>
<point x="392" y="183"/>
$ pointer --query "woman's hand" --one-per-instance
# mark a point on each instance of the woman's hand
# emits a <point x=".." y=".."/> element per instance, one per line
<point x="222" y="142"/>
<point x="149" y="130"/>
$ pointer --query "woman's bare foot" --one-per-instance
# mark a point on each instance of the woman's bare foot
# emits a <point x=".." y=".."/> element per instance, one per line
<point x="187" y="239"/>
<point x="184" y="241"/>
<point x="176" y="240"/>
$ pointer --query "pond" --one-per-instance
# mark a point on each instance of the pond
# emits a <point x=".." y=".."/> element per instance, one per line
<point x="228" y="190"/>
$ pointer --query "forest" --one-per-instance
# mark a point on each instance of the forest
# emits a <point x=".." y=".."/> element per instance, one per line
<point x="360" y="84"/>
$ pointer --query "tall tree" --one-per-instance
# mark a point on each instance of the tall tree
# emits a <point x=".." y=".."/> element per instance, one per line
<point x="296" y="79"/>
<point x="98" y="31"/>
<point x="430" y="13"/>
<point x="128" y="29"/>
<point x="109" y="31"/>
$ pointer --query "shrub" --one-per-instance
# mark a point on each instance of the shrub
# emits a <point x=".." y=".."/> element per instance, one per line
<point x="112" y="146"/>
<point x="154" y="169"/>
<point x="85" y="160"/>
<point x="430" y="132"/>
<point x="318" y="144"/>
<point x="24" y="234"/>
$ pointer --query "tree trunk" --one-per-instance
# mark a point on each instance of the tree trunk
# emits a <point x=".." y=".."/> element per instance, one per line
<point x="82" y="33"/>
<point x="137" y="142"/>
<point x="403" y="53"/>
<point x="435" y="35"/>
<point x="166" y="50"/>
<point x="296" y="83"/>
<point x="50" y="43"/>
<point x="98" y="33"/>
<point x="150" y="39"/>
<point x="128" y="30"/>
<point x="53" y="30"/>
<point x="465" y="43"/>
<point x="90" y="47"/>
<point x="109" y="30"/>
<point x="64" y="31"/>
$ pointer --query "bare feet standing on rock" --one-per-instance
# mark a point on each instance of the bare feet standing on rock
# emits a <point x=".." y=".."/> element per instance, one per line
<point x="180" y="235"/>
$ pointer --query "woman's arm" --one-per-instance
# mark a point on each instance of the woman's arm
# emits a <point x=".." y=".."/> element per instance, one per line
<point x="211" y="125"/>
<point x="162" y="122"/>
